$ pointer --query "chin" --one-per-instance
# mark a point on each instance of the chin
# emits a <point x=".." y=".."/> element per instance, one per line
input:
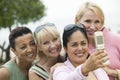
<point x="91" y="36"/>
<point x="55" y="55"/>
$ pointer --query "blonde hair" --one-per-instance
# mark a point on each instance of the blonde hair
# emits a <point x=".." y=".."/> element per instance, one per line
<point x="42" y="34"/>
<point x="89" y="6"/>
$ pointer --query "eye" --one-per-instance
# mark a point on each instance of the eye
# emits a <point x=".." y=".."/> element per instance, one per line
<point x="88" y="21"/>
<point x="83" y="43"/>
<point x="74" y="44"/>
<point x="23" y="47"/>
<point x="46" y="42"/>
<point x="97" y="21"/>
<point x="32" y="43"/>
<point x="55" y="39"/>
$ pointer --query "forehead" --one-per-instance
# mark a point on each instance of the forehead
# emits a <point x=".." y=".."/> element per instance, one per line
<point x="24" y="39"/>
<point x="47" y="37"/>
<point x="90" y="15"/>
<point x="77" y="36"/>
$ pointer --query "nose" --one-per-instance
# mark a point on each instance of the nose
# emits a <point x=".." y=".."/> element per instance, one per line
<point x="29" y="49"/>
<point x="79" y="47"/>
<point x="92" y="26"/>
<point x="52" y="44"/>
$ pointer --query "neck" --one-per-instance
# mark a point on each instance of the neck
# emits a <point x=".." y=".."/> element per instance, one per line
<point x="47" y="63"/>
<point x="92" y="41"/>
<point x="23" y="66"/>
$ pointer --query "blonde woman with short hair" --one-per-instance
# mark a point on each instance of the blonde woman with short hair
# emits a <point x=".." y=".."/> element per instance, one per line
<point x="48" y="50"/>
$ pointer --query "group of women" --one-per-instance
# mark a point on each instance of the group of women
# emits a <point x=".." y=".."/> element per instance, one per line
<point x="36" y="54"/>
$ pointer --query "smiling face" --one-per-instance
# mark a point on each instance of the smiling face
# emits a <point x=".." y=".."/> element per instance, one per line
<point x="25" y="48"/>
<point x="77" y="48"/>
<point x="91" y="21"/>
<point x="48" y="42"/>
<point x="91" y="15"/>
<point x="51" y="46"/>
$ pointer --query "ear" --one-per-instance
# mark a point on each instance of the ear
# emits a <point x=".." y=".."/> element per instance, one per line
<point x="76" y="20"/>
<point x="13" y="51"/>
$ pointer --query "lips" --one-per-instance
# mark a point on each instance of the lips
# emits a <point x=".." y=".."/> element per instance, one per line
<point x="53" y="51"/>
<point x="79" y="54"/>
<point x="30" y="55"/>
<point x="90" y="32"/>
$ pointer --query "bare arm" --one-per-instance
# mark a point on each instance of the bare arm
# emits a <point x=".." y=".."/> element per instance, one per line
<point x="4" y="75"/>
<point x="33" y="76"/>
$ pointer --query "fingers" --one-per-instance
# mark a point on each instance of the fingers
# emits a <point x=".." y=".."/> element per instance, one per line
<point x="99" y="54"/>
<point x="96" y="60"/>
<point x="102" y="58"/>
<point x="99" y="57"/>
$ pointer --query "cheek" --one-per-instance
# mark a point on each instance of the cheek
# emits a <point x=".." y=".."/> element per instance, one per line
<point x="71" y="51"/>
<point x="20" y="52"/>
<point x="99" y="27"/>
<point x="58" y="43"/>
<point x="86" y="51"/>
<point x="44" y="49"/>
<point x="84" y="23"/>
<point x="87" y="25"/>
<point x="35" y="47"/>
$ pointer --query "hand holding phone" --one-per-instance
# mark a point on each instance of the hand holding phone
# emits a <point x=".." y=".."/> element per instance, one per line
<point x="99" y="43"/>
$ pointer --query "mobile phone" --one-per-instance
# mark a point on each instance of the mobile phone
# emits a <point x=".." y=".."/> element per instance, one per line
<point x="99" y="42"/>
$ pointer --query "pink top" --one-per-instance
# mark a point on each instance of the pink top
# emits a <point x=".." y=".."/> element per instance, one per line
<point x="112" y="47"/>
<point x="69" y="72"/>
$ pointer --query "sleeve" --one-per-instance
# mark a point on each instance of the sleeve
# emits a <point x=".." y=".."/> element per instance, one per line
<point x="64" y="73"/>
<point x="101" y="74"/>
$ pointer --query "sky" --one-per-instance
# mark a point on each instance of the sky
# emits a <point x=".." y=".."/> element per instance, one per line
<point x="62" y="12"/>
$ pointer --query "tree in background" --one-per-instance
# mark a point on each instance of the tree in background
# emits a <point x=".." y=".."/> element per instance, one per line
<point x="18" y="12"/>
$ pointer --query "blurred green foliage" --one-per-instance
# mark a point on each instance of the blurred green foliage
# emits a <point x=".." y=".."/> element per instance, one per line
<point x="20" y="11"/>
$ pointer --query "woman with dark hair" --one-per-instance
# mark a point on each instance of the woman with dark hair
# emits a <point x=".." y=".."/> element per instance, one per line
<point x="79" y="65"/>
<point x="23" y="46"/>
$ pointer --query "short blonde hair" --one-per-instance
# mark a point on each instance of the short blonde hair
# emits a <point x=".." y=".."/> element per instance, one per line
<point x="89" y="6"/>
<point x="42" y="34"/>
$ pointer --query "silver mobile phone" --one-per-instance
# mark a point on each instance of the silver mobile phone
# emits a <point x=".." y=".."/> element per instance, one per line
<point x="99" y="42"/>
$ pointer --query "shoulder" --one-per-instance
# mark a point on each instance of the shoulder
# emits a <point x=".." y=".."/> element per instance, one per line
<point x="4" y="74"/>
<point x="38" y="72"/>
<point x="110" y="35"/>
<point x="33" y="76"/>
<point x="62" y="68"/>
<point x="106" y="31"/>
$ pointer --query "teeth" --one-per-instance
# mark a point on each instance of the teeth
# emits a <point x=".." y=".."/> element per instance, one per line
<point x="80" y="54"/>
<point x="53" y="51"/>
<point x="30" y="55"/>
